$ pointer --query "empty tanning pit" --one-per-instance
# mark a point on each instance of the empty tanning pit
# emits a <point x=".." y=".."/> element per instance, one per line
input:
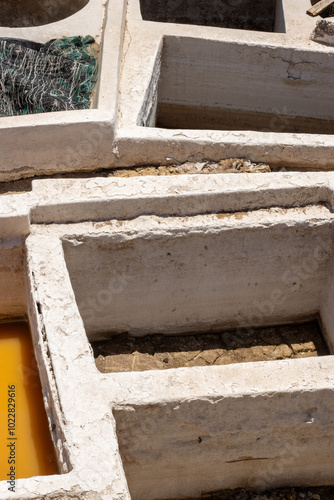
<point x="242" y="14"/>
<point x="200" y="274"/>
<point x="199" y="84"/>
<point x="158" y="352"/>
<point x="26" y="13"/>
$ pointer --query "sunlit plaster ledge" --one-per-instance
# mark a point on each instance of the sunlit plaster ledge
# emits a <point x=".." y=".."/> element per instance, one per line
<point x="260" y="424"/>
<point x="68" y="140"/>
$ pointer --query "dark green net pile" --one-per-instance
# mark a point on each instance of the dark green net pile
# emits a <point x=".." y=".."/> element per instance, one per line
<point x="56" y="76"/>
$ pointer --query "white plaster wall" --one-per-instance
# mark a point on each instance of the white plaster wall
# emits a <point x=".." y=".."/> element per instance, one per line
<point x="160" y="415"/>
<point x="201" y="273"/>
<point x="110" y="135"/>
<point x="197" y="72"/>
<point x="179" y="448"/>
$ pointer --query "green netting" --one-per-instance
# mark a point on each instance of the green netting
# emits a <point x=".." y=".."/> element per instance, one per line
<point x="38" y="78"/>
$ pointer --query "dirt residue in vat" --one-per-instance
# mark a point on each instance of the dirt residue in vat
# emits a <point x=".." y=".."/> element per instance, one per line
<point x="228" y="166"/>
<point x="124" y="353"/>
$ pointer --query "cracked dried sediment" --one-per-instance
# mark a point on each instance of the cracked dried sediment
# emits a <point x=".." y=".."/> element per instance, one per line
<point x="226" y="166"/>
<point x="159" y="352"/>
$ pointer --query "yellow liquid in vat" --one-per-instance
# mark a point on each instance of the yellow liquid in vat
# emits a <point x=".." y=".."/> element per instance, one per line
<point x="24" y="432"/>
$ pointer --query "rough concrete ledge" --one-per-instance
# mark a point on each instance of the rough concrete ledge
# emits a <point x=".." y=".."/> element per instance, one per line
<point x="69" y="200"/>
<point x="251" y="433"/>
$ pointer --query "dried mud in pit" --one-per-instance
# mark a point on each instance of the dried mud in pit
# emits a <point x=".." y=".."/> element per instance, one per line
<point x="123" y="353"/>
<point x="229" y="166"/>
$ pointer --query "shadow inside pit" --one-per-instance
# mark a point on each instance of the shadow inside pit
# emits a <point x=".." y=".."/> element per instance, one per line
<point x="293" y="493"/>
<point x="15" y="187"/>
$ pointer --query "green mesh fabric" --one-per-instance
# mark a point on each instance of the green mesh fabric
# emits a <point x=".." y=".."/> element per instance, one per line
<point x="38" y="78"/>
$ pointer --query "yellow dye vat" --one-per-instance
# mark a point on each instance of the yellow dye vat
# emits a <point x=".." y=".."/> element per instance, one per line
<point x="26" y="448"/>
